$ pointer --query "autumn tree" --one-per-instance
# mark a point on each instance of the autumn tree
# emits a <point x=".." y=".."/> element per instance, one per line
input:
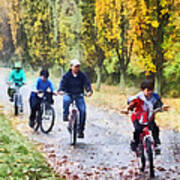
<point x="93" y="53"/>
<point x="156" y="28"/>
<point x="38" y="26"/>
<point x="1" y="39"/>
<point x="6" y="42"/>
<point x="113" y="20"/>
<point x="68" y="33"/>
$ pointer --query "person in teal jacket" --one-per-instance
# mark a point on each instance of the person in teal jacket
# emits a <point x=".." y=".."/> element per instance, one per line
<point x="17" y="76"/>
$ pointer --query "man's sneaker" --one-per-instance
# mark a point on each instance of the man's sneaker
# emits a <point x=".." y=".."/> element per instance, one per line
<point x="21" y="110"/>
<point x="69" y="129"/>
<point x="157" y="149"/>
<point x="65" y="118"/>
<point x="81" y="135"/>
<point x="31" y="123"/>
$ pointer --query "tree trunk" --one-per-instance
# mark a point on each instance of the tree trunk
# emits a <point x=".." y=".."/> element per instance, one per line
<point x="159" y="62"/>
<point x="122" y="81"/>
<point x="53" y="4"/>
<point x="98" y="70"/>
<point x="61" y="69"/>
<point x="158" y="82"/>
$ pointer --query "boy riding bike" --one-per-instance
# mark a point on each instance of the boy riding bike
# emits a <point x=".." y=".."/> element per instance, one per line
<point x="41" y="84"/>
<point x="144" y="104"/>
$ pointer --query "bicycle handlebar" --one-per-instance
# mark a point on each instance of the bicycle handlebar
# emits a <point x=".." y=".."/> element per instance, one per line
<point x="43" y="92"/>
<point x="63" y="93"/>
<point x="9" y="83"/>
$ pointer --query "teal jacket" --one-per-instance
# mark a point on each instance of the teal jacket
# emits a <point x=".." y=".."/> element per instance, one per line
<point x="17" y="77"/>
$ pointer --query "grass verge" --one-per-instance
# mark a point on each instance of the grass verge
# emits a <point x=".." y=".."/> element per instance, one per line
<point x="19" y="159"/>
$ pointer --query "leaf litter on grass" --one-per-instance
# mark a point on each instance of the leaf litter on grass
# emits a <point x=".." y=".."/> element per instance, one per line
<point x="19" y="159"/>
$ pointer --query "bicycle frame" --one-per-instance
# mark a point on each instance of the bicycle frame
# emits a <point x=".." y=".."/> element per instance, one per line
<point x="146" y="149"/>
<point x="73" y="109"/>
<point x="43" y="105"/>
<point x="73" y="121"/>
<point x="17" y="96"/>
<point x="43" y="113"/>
<point x="146" y="133"/>
<point x="74" y="118"/>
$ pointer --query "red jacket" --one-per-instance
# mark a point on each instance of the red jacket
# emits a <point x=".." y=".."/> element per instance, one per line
<point x="141" y="111"/>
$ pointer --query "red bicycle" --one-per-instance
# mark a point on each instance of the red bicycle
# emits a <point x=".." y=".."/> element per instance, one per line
<point x="73" y="122"/>
<point x="146" y="148"/>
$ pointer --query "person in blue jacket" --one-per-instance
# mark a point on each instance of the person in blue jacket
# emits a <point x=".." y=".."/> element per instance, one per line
<point x="73" y="83"/>
<point x="41" y="84"/>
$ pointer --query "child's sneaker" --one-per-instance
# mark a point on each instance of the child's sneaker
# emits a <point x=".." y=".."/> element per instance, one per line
<point x="157" y="149"/>
<point x="11" y="99"/>
<point x="133" y="145"/>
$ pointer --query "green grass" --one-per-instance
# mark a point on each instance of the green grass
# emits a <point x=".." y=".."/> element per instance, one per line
<point x="19" y="159"/>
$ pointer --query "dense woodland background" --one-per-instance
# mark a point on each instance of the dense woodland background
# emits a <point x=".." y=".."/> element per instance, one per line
<point x="119" y="42"/>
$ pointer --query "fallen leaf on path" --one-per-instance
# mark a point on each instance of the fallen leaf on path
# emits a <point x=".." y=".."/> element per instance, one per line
<point x="161" y="169"/>
<point x="52" y="156"/>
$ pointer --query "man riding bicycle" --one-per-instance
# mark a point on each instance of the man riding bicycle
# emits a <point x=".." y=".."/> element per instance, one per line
<point x="17" y="76"/>
<point x="73" y="84"/>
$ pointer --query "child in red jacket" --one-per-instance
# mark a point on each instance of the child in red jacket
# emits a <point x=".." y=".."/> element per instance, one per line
<point x="143" y="105"/>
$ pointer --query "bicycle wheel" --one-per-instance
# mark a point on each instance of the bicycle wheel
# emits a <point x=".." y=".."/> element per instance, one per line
<point x="16" y="108"/>
<point x="47" y="121"/>
<point x="74" y="129"/>
<point x="142" y="157"/>
<point x="150" y="156"/>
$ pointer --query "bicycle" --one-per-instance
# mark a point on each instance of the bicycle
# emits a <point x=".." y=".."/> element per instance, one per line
<point x="146" y="148"/>
<point x="73" y="118"/>
<point x="73" y="121"/>
<point x="16" y="97"/>
<point x="45" y="115"/>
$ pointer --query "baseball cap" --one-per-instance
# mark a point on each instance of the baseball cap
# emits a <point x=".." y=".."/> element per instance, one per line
<point x="75" y="62"/>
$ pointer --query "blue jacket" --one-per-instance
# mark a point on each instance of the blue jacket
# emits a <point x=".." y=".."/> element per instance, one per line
<point x="43" y="85"/>
<point x="75" y="85"/>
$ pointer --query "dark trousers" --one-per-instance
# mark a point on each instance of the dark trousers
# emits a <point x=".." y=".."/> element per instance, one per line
<point x="138" y="130"/>
<point x="34" y="102"/>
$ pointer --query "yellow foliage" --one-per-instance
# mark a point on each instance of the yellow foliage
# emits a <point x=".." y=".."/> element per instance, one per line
<point x="164" y="11"/>
<point x="111" y="15"/>
<point x="155" y="24"/>
<point x="1" y="43"/>
<point x="14" y="18"/>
